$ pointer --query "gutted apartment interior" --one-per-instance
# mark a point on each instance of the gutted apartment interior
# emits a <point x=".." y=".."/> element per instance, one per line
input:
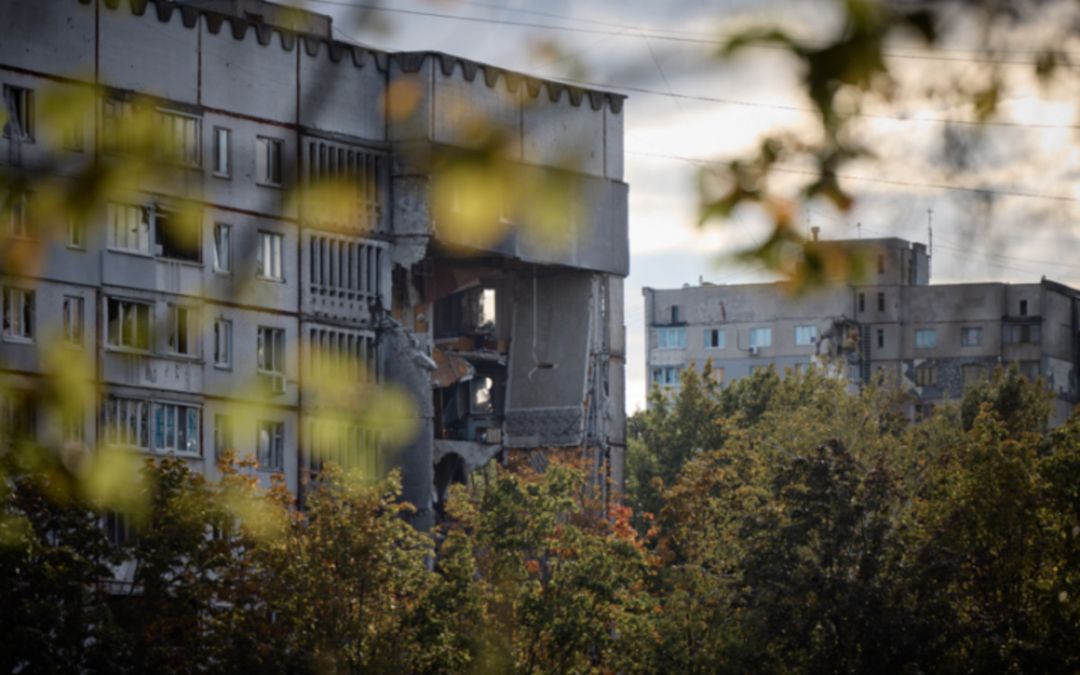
<point x="319" y="255"/>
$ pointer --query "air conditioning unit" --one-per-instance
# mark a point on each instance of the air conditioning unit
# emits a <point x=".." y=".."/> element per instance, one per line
<point x="754" y="351"/>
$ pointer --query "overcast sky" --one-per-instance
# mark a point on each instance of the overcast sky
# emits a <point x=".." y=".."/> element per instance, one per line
<point x="667" y="47"/>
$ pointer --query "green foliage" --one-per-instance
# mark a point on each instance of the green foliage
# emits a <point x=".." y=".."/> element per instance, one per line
<point x="805" y="530"/>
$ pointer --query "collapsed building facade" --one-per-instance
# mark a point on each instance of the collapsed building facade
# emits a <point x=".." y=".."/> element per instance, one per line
<point x="892" y="325"/>
<point x="505" y="345"/>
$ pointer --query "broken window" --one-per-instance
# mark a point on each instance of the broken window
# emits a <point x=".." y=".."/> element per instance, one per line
<point x="20" y="113"/>
<point x="175" y="237"/>
<point x="469" y="312"/>
<point x="481" y="401"/>
<point x="128" y="324"/>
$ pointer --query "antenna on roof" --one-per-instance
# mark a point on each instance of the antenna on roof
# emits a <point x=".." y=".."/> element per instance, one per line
<point x="930" y="229"/>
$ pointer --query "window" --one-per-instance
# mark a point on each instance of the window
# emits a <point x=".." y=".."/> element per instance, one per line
<point x="74" y="428"/>
<point x="18" y="417"/>
<point x="1016" y="333"/>
<point x="268" y="161"/>
<point x="270" y="439"/>
<point x="924" y="411"/>
<point x="222" y="152"/>
<point x="127" y="422"/>
<point x="128" y="228"/>
<point x="340" y="353"/>
<point x="118" y="528"/>
<point x="881" y="338"/>
<point x="223" y="343"/>
<point x="880" y="264"/>
<point x="666" y="375"/>
<point x="177" y="237"/>
<point x="176" y="429"/>
<point x="926" y="375"/>
<point x="675" y="314"/>
<point x="270" y="351"/>
<point x="18" y="223"/>
<point x="973" y="374"/>
<point x="350" y="446"/>
<point x="715" y="338"/>
<point x="718" y="374"/>
<point x="862" y="302"/>
<point x="223" y="435"/>
<point x="971" y="336"/>
<point x="179" y="139"/>
<point x="268" y="257"/>
<point x="20" y="113"/>
<point x="222" y="247"/>
<point x="671" y="338"/>
<point x="881" y="302"/>
<point x="761" y="337"/>
<point x="805" y="335"/>
<point x="128" y="324"/>
<point x="18" y="314"/>
<point x="181" y="330"/>
<point x="926" y="338"/>
<point x="116" y="132"/>
<point x="350" y="268"/>
<point x="73" y="320"/>
<point x="1023" y="308"/>
<point x="76" y="232"/>
<point x="72" y="135"/>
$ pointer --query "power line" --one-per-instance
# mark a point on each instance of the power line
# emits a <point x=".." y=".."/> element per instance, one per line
<point x="659" y="36"/>
<point x="885" y="181"/>
<point x="675" y="31"/>
<point x="739" y="102"/>
<point x="804" y="109"/>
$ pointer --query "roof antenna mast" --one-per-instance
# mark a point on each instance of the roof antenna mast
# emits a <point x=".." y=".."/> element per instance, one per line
<point x="930" y="229"/>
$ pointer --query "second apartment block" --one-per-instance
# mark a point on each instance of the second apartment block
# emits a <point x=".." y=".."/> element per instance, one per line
<point x="935" y="340"/>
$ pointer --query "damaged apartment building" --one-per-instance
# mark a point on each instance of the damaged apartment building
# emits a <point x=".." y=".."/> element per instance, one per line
<point x="506" y="347"/>
<point x="935" y="340"/>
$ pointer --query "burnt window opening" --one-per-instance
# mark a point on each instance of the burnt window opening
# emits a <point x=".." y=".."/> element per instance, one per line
<point x="1023" y="308"/>
<point x="176" y="238"/>
<point x="468" y="312"/>
<point x="881" y="302"/>
<point x="675" y="318"/>
<point x="481" y="401"/>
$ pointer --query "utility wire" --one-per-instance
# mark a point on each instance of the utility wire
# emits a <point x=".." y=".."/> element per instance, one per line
<point x="743" y="103"/>
<point x="676" y="31"/>
<point x="659" y="36"/>
<point x="868" y="179"/>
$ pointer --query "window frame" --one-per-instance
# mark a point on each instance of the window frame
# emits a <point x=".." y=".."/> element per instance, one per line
<point x="215" y="137"/>
<point x="275" y="338"/>
<point x="26" y="311"/>
<point x="144" y="231"/>
<point x="74" y="321"/>
<point x="813" y="337"/>
<point x="148" y="306"/>
<point x="22" y="116"/>
<point x="278" y="252"/>
<point x="715" y="338"/>
<point x="753" y="343"/>
<point x="965" y="331"/>
<point x="920" y="344"/>
<point x="264" y="167"/>
<point x="181" y="427"/>
<point x="671" y="337"/>
<point x="140" y="415"/>
<point x="226" y="230"/>
<point x="165" y="149"/>
<point x="181" y="331"/>
<point x="275" y="446"/>
<point x="227" y="363"/>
